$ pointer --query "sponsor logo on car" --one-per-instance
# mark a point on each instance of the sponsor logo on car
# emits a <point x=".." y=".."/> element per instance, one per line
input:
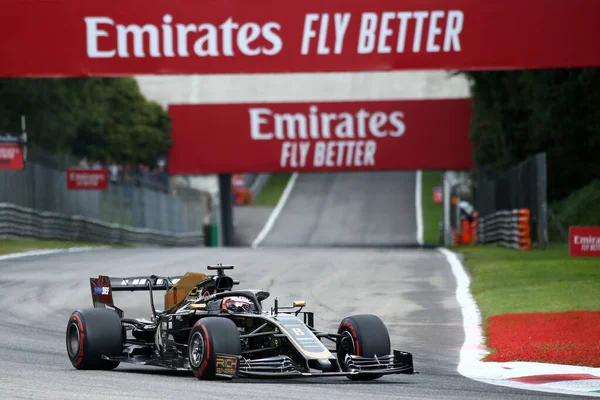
<point x="101" y="290"/>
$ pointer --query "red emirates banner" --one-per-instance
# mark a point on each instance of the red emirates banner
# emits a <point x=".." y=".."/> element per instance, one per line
<point x="115" y="37"/>
<point x="87" y="179"/>
<point x="584" y="241"/>
<point x="332" y="136"/>
<point x="11" y="156"/>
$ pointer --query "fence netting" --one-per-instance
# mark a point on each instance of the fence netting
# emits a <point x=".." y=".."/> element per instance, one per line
<point x="523" y="186"/>
<point x="41" y="186"/>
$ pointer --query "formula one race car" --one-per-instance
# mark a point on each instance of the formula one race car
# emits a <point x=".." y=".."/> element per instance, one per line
<point x="217" y="332"/>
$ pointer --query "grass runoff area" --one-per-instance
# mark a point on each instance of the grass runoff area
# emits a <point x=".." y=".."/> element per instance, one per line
<point x="273" y="189"/>
<point x="514" y="281"/>
<point x="10" y="246"/>
<point x="540" y="305"/>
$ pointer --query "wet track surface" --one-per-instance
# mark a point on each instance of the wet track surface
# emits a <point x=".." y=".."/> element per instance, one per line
<point x="412" y="290"/>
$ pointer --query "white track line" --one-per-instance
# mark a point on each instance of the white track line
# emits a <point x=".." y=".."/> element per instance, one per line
<point x="49" y="251"/>
<point x="419" y="207"/>
<point x="271" y="221"/>
<point x="496" y="373"/>
<point x="473" y="349"/>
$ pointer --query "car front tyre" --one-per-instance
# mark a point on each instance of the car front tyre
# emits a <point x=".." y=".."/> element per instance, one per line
<point x="362" y="335"/>
<point x="208" y="337"/>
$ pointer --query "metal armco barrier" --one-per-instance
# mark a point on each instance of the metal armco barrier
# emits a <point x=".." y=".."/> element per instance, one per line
<point x="506" y="228"/>
<point x="36" y="202"/>
<point x="18" y="221"/>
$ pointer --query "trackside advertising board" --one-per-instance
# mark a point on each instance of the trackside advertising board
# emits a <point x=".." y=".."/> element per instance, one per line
<point x="584" y="241"/>
<point x="116" y="37"/>
<point x="320" y="136"/>
<point x="87" y="179"/>
<point x="11" y="156"/>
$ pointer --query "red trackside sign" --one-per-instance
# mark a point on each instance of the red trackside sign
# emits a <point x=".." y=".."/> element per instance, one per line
<point x="584" y="241"/>
<point x="115" y="37"/>
<point x="87" y="179"/>
<point x="11" y="156"/>
<point x="320" y="136"/>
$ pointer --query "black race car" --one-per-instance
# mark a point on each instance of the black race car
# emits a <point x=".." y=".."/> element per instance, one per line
<point x="218" y="332"/>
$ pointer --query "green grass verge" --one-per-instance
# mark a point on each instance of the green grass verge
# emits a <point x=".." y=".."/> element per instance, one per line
<point x="432" y="212"/>
<point x="9" y="246"/>
<point x="273" y="189"/>
<point x="507" y="281"/>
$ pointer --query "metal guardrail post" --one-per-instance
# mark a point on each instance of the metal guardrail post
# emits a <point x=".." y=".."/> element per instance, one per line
<point x="217" y="234"/>
<point x="135" y="211"/>
<point x="542" y="206"/>
<point x="121" y="206"/>
<point x="226" y="206"/>
<point x="164" y="212"/>
<point x="111" y="203"/>
<point x="446" y="206"/>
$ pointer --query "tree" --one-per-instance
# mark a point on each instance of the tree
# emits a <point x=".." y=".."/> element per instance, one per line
<point x="521" y="113"/>
<point x="101" y="118"/>
<point x="49" y="106"/>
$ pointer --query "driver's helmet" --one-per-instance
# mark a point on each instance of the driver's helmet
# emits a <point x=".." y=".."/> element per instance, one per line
<point x="235" y="304"/>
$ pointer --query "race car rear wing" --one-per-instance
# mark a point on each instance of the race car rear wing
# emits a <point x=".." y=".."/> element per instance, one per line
<point x="103" y="286"/>
<point x="137" y="283"/>
<point x="176" y="287"/>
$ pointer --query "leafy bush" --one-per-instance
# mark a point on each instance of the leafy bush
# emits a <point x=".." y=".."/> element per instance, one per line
<point x="101" y="118"/>
<point x="520" y="113"/>
<point x="580" y="208"/>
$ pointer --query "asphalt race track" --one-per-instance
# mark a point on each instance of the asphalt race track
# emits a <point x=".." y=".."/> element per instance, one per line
<point x="411" y="289"/>
<point x="348" y="209"/>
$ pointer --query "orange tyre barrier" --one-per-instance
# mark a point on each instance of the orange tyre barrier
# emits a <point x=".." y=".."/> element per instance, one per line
<point x="249" y="197"/>
<point x="506" y="228"/>
<point x="473" y="228"/>
<point x="465" y="231"/>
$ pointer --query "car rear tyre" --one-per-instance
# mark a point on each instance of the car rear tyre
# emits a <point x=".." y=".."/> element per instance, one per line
<point x="208" y="337"/>
<point x="362" y="335"/>
<point x="92" y="333"/>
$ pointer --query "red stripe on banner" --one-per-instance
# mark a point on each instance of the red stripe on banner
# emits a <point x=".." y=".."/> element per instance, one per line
<point x="550" y="378"/>
<point x="320" y="136"/>
<point x="115" y="37"/>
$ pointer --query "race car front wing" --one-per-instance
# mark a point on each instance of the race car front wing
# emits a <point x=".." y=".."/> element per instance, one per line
<point x="399" y="362"/>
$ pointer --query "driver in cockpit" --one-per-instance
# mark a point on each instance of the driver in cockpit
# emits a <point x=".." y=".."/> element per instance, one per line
<point x="236" y="304"/>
